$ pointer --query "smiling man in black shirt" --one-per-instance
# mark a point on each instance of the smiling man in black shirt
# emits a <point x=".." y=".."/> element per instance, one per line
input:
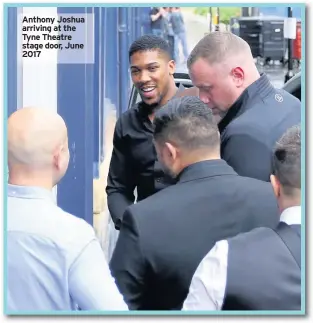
<point x="134" y="161"/>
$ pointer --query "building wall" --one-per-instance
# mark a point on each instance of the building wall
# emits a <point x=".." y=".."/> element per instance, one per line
<point x="89" y="96"/>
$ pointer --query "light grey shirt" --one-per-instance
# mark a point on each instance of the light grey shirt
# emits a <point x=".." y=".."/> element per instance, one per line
<point x="208" y="284"/>
<point x="54" y="260"/>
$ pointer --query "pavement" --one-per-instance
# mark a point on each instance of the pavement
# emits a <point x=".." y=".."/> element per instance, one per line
<point x="197" y="27"/>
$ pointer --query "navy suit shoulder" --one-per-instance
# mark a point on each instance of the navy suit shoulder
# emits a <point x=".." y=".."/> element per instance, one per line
<point x="290" y="99"/>
<point x="281" y="114"/>
<point x="248" y="140"/>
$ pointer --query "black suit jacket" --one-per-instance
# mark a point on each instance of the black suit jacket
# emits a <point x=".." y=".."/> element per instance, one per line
<point x="164" y="237"/>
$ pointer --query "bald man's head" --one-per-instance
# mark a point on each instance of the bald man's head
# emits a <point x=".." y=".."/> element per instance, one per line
<point x="221" y="66"/>
<point x="37" y="139"/>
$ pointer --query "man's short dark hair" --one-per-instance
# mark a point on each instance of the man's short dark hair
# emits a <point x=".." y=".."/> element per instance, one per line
<point x="150" y="43"/>
<point x="287" y="160"/>
<point x="187" y="122"/>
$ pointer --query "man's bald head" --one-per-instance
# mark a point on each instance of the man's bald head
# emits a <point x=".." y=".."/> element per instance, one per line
<point x="34" y="135"/>
<point x="221" y="66"/>
<point x="220" y="48"/>
<point x="37" y="142"/>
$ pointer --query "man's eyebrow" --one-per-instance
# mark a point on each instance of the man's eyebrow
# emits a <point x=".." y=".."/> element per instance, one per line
<point x="147" y="65"/>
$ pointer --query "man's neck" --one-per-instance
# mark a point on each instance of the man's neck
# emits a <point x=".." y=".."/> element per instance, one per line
<point x="33" y="181"/>
<point x="289" y="203"/>
<point x="252" y="79"/>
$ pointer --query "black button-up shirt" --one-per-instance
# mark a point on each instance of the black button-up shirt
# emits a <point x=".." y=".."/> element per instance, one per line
<point x="134" y="162"/>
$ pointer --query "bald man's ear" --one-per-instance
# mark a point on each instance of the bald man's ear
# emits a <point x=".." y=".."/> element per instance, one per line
<point x="238" y="76"/>
<point x="60" y="156"/>
<point x="57" y="156"/>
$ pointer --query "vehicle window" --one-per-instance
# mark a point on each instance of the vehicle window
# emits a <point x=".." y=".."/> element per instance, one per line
<point x="297" y="93"/>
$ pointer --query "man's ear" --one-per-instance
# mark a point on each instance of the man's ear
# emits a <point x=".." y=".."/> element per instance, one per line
<point x="171" y="151"/>
<point x="171" y="67"/>
<point x="56" y="158"/>
<point x="276" y="186"/>
<point x="238" y="76"/>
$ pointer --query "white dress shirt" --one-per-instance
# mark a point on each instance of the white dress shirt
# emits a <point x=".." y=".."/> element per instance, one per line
<point x="207" y="289"/>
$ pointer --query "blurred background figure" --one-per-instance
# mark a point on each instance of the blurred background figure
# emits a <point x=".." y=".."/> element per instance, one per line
<point x="169" y="33"/>
<point x="179" y="29"/>
<point x="157" y="21"/>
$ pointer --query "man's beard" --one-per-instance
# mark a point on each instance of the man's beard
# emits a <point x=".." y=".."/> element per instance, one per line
<point x="153" y="107"/>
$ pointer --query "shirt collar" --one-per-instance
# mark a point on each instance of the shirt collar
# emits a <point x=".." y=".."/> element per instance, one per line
<point x="180" y="88"/>
<point x="291" y="215"/>
<point x="30" y="192"/>
<point x="204" y="169"/>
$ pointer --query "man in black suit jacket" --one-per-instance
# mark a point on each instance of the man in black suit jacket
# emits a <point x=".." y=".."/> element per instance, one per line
<point x="231" y="277"/>
<point x="164" y="237"/>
